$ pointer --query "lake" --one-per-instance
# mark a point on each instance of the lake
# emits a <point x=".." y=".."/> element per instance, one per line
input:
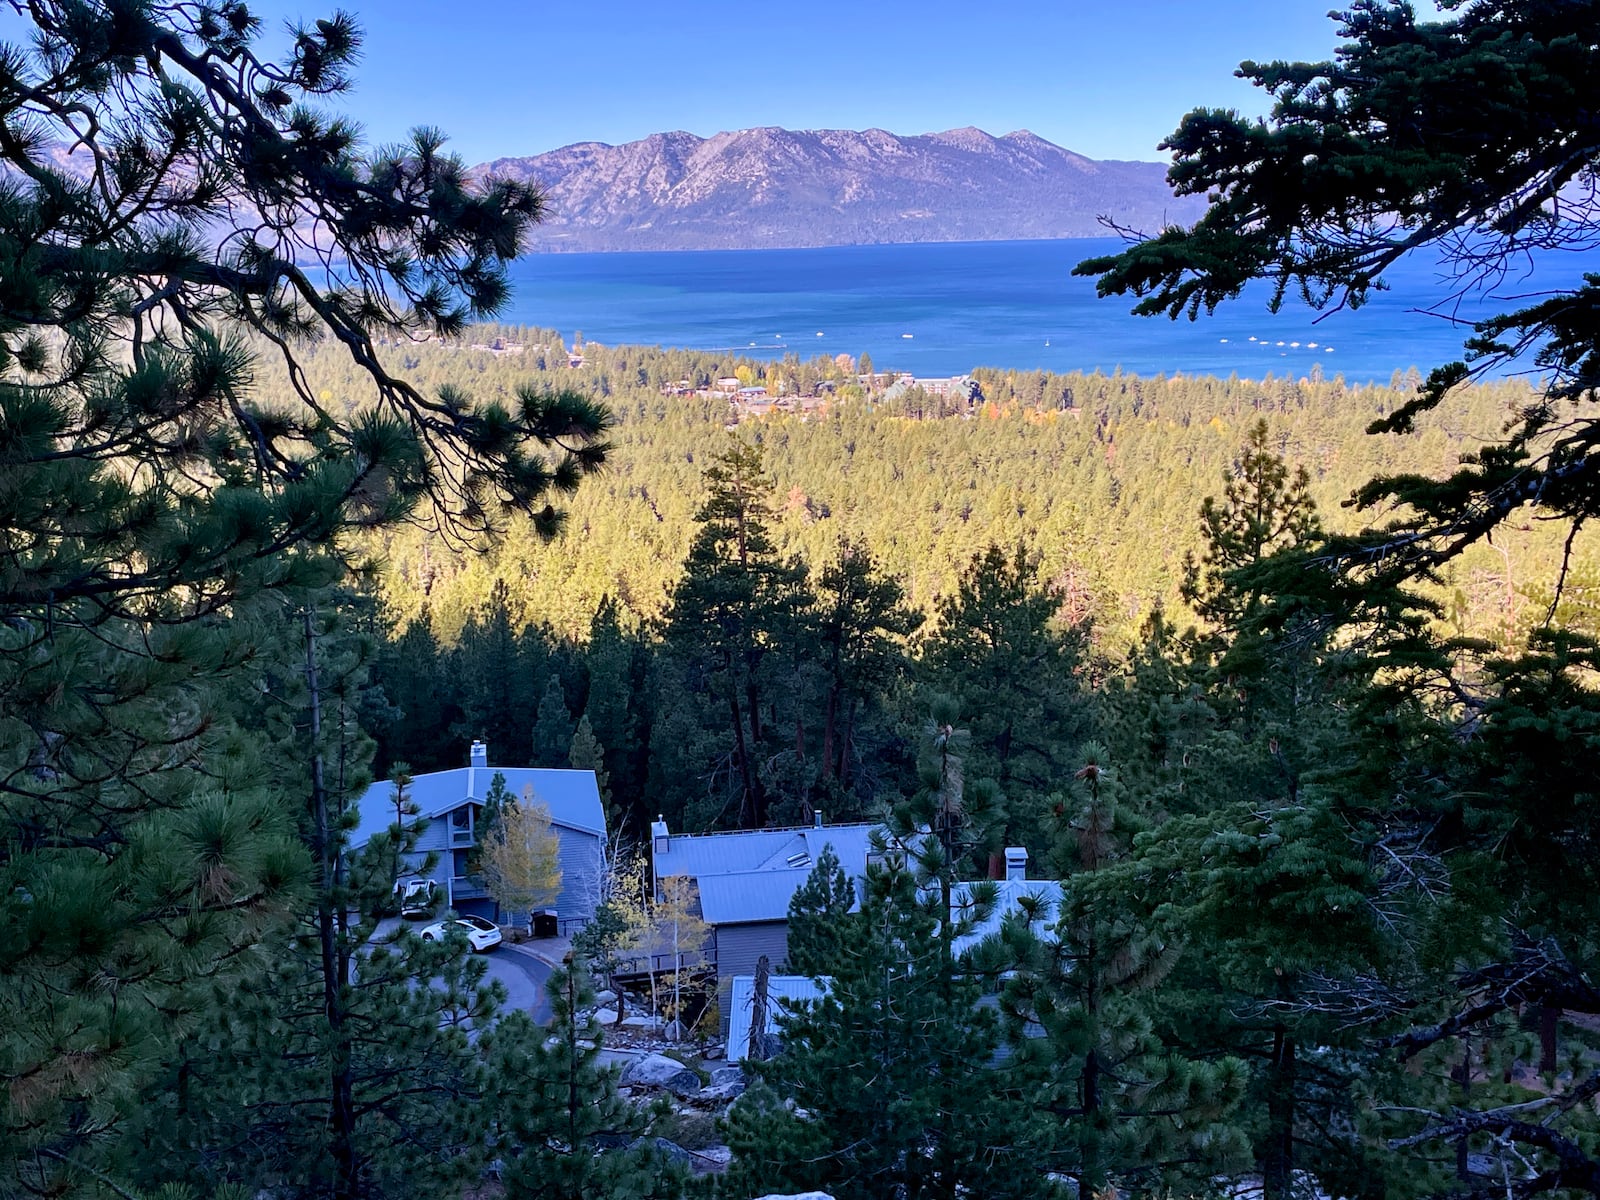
<point x="943" y="308"/>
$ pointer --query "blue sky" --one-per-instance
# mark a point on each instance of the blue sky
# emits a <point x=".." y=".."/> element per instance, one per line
<point x="1108" y="78"/>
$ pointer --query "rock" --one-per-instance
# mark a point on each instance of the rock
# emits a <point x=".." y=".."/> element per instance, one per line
<point x="641" y="1022"/>
<point x="719" y="1093"/>
<point x="716" y="1156"/>
<point x="727" y="1075"/>
<point x="798" y="1196"/>
<point x="711" y="1052"/>
<point x="659" y="1071"/>
<point x="670" y="1149"/>
<point x="602" y="999"/>
<point x="606" y="1016"/>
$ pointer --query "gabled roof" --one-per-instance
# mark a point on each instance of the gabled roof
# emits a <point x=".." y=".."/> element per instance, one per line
<point x="744" y="896"/>
<point x="779" y="987"/>
<point x="706" y="854"/>
<point x="1007" y="900"/>
<point x="573" y="797"/>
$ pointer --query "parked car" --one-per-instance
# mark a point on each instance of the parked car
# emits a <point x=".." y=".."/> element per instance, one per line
<point x="480" y="934"/>
<point x="418" y="898"/>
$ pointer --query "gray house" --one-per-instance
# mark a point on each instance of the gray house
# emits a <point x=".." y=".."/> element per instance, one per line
<point x="746" y="880"/>
<point x="451" y="802"/>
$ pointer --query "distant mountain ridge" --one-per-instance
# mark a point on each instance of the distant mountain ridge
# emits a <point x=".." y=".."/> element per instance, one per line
<point x="769" y="187"/>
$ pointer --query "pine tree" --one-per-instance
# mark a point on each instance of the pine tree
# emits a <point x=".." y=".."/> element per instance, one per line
<point x="736" y="599"/>
<point x="884" y="1087"/>
<point x="613" y="708"/>
<point x="552" y="726"/>
<point x="999" y="647"/>
<point x="563" y="1131"/>
<point x="820" y="920"/>
<point x="494" y="688"/>
<point x="1119" y="1107"/>
<point x="861" y="625"/>
<point x="343" y="1066"/>
<point x="587" y="754"/>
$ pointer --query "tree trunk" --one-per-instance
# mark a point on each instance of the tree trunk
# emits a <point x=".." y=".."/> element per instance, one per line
<point x="847" y="743"/>
<point x="341" y="1114"/>
<point x="1549" y="1042"/>
<point x="1277" y="1158"/>
<point x="747" y="780"/>
<point x="830" y="714"/>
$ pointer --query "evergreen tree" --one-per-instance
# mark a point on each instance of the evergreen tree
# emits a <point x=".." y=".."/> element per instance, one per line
<point x="343" y="1068"/>
<point x="820" y="921"/>
<point x="861" y="624"/>
<point x="999" y="646"/>
<point x="1265" y="509"/>
<point x="1119" y="1107"/>
<point x="732" y="605"/>
<point x="552" y="727"/>
<point x="564" y="1132"/>
<point x="587" y="754"/>
<point x="614" y="711"/>
<point x="411" y="671"/>
<point x="884" y="1086"/>
<point x="1453" y="135"/>
<point x="494" y="688"/>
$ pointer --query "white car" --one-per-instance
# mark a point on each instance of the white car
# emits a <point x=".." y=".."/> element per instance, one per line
<point x="481" y="935"/>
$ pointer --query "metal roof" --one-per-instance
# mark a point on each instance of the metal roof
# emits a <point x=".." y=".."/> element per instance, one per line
<point x="1009" y="893"/>
<point x="793" y="988"/>
<point x="573" y="797"/>
<point x="703" y="854"/>
<point x="744" y="896"/>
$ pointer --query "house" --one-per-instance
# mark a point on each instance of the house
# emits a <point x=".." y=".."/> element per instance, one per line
<point x="1044" y="894"/>
<point x="746" y="880"/>
<point x="793" y="988"/>
<point x="451" y="804"/>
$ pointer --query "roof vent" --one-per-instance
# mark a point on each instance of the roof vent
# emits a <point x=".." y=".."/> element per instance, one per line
<point x="799" y="860"/>
<point x="1016" y="862"/>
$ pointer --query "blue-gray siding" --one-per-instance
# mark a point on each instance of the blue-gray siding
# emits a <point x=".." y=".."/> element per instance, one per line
<point x="738" y="949"/>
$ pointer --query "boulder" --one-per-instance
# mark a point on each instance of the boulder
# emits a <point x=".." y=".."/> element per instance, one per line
<point x="670" y="1149"/>
<point x="718" y="1094"/>
<point x="727" y="1075"/>
<point x="798" y="1196"/>
<point x="659" y="1071"/>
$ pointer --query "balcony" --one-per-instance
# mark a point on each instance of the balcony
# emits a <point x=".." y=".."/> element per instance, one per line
<point x="468" y="887"/>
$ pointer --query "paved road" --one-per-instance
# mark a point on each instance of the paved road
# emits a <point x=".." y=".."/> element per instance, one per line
<point x="524" y="976"/>
<point x="523" y="972"/>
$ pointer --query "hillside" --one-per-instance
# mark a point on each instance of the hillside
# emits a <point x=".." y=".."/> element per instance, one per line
<point x="768" y="187"/>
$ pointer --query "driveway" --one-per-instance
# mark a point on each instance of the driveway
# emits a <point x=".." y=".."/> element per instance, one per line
<point x="524" y="975"/>
<point x="523" y="972"/>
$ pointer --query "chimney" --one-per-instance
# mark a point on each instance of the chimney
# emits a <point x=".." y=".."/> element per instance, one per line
<point x="1016" y="862"/>
<point x="660" y="840"/>
<point x="818" y="818"/>
<point x="479" y="755"/>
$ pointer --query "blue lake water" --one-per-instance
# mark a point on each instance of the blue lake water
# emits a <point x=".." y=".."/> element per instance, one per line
<point x="994" y="304"/>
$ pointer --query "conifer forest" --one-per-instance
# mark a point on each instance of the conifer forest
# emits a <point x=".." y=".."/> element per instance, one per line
<point x="1286" y="690"/>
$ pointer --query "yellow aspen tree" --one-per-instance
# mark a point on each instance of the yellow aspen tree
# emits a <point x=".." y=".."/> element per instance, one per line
<point x="520" y="860"/>
<point x="680" y="928"/>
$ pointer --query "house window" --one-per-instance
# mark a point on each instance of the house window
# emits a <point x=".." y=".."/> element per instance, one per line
<point x="458" y="863"/>
<point x="461" y="826"/>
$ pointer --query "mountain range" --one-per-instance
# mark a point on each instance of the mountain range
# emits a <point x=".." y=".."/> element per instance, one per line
<point x="769" y="187"/>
